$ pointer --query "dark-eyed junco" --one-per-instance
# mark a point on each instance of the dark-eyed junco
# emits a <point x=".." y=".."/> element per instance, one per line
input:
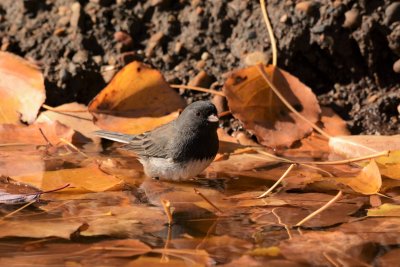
<point x="178" y="150"/>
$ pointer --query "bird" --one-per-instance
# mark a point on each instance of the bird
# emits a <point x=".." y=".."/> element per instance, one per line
<point x="178" y="150"/>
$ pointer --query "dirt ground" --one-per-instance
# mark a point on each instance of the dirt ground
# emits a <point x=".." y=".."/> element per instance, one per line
<point x="346" y="51"/>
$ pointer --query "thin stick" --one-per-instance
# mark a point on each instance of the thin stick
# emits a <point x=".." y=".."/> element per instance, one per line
<point x="260" y="68"/>
<point x="74" y="147"/>
<point x="281" y="223"/>
<point x="318" y="211"/>
<point x="277" y="182"/>
<point x="45" y="138"/>
<point x="196" y="88"/>
<point x="18" y="210"/>
<point x="270" y="33"/>
<point x="331" y="261"/>
<point x="164" y="256"/>
<point x="207" y="200"/>
<point x="167" y="208"/>
<point x="337" y="162"/>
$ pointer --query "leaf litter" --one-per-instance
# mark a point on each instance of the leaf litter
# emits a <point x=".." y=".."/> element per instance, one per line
<point x="112" y="214"/>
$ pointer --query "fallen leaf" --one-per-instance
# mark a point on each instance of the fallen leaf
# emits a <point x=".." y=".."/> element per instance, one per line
<point x="53" y="131"/>
<point x="385" y="210"/>
<point x="137" y="92"/>
<point x="14" y="193"/>
<point x="334" y="125"/>
<point x="81" y="122"/>
<point x="363" y="145"/>
<point x="179" y="258"/>
<point x="390" y="166"/>
<point x="253" y="102"/>
<point x="389" y="259"/>
<point x="367" y="182"/>
<point x="85" y="179"/>
<point x="312" y="248"/>
<point x="22" y="90"/>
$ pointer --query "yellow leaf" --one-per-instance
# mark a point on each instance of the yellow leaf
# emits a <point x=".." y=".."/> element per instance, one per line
<point x="269" y="251"/>
<point x="386" y="210"/>
<point x="367" y="182"/>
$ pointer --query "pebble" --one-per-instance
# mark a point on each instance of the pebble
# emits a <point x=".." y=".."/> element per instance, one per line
<point x="59" y="31"/>
<point x="202" y="79"/>
<point x="392" y="13"/>
<point x="396" y="66"/>
<point x="305" y="6"/>
<point x="205" y="56"/>
<point x="352" y="19"/>
<point x="220" y="103"/>
<point x="200" y="64"/>
<point x="283" y="18"/>
<point x="154" y="40"/>
<point x="76" y="15"/>
<point x="255" y="57"/>
<point x="80" y="57"/>
<point x="97" y="59"/>
<point x="123" y="38"/>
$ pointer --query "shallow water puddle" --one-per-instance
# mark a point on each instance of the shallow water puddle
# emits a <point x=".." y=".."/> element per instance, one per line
<point x="111" y="214"/>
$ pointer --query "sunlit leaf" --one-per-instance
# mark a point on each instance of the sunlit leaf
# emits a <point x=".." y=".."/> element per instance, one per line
<point x="137" y="92"/>
<point x="21" y="89"/>
<point x="362" y="145"/>
<point x="253" y="102"/>
<point x="367" y="182"/>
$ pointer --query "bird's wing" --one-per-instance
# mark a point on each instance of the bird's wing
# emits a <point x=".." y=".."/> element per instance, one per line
<point x="154" y="143"/>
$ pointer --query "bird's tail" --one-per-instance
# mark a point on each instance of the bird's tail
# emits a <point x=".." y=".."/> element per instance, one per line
<point x="118" y="137"/>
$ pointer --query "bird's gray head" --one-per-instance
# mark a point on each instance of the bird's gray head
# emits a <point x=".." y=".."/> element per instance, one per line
<point x="199" y="114"/>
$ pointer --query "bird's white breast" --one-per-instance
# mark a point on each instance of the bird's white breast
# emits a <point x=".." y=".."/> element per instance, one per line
<point x="167" y="169"/>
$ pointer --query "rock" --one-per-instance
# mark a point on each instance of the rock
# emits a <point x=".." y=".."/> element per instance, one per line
<point x="123" y="38"/>
<point x="76" y="16"/>
<point x="352" y="19"/>
<point x="154" y="40"/>
<point x="392" y="13"/>
<point x="205" y="56"/>
<point x="255" y="57"/>
<point x="396" y="66"/>
<point x="220" y="103"/>
<point x="108" y="72"/>
<point x="202" y="79"/>
<point x="306" y="6"/>
<point x="80" y="57"/>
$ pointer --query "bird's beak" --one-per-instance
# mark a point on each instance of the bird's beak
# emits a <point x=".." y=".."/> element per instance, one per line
<point x="212" y="118"/>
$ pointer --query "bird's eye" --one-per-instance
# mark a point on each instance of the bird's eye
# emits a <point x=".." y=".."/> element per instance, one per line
<point x="197" y="114"/>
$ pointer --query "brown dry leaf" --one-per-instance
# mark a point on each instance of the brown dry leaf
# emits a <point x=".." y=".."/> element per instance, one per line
<point x="253" y="102"/>
<point x="311" y="248"/>
<point x="385" y="210"/>
<point x="384" y="230"/>
<point x="22" y="90"/>
<point x="137" y="92"/>
<point x="363" y="145"/>
<point x="178" y="258"/>
<point x="41" y="228"/>
<point x="81" y="122"/>
<point x="367" y="182"/>
<point x="85" y="179"/>
<point x="389" y="259"/>
<point x="12" y="133"/>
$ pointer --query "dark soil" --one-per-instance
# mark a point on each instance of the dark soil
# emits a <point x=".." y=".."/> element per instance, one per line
<point x="345" y="50"/>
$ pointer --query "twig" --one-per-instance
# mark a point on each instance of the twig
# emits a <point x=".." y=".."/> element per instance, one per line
<point x="207" y="200"/>
<point x="261" y="69"/>
<point x="196" y="88"/>
<point x="337" y="162"/>
<point x="18" y="210"/>
<point x="74" y="147"/>
<point x="164" y="256"/>
<point x="277" y="182"/>
<point x="318" y="211"/>
<point x="281" y="223"/>
<point x="45" y="138"/>
<point x="270" y="33"/>
<point x="167" y="208"/>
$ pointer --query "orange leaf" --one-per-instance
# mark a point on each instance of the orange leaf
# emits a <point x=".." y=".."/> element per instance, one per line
<point x="253" y="102"/>
<point x="21" y="89"/>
